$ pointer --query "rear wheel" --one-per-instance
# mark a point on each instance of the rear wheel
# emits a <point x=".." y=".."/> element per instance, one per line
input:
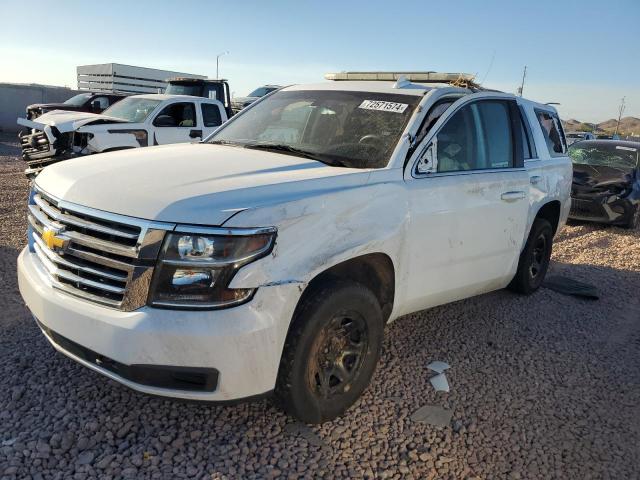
<point x="331" y="351"/>
<point x="534" y="259"/>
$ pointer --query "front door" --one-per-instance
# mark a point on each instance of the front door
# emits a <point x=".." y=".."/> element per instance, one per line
<point x="177" y="123"/>
<point x="469" y="203"/>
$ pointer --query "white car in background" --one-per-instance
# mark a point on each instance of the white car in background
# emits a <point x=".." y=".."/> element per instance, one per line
<point x="573" y="137"/>
<point x="136" y="121"/>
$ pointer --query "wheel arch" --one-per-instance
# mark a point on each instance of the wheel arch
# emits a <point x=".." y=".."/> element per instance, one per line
<point x="550" y="211"/>
<point x="373" y="270"/>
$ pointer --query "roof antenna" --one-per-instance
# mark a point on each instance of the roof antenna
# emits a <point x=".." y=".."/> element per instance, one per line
<point x="524" y="75"/>
<point x="493" y="57"/>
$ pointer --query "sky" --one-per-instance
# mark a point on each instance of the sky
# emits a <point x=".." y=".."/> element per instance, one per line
<point x="583" y="54"/>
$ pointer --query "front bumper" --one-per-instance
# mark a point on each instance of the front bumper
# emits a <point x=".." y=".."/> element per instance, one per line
<point x="609" y="209"/>
<point x="242" y="345"/>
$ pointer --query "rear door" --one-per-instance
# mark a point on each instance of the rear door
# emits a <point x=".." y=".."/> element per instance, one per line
<point x="468" y="194"/>
<point x="177" y="123"/>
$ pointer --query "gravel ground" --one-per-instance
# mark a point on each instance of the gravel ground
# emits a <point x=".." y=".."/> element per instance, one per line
<point x="546" y="386"/>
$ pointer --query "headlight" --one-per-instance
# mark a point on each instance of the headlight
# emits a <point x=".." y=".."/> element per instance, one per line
<point x="194" y="269"/>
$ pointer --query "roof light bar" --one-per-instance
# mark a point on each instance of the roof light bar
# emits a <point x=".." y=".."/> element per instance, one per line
<point x="417" y="77"/>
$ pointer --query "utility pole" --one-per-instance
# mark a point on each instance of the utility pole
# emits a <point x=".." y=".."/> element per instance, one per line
<point x="524" y="75"/>
<point x="218" y="63"/>
<point x="620" y="112"/>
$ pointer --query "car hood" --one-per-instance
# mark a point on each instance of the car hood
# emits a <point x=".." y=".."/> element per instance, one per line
<point x="201" y="183"/>
<point x="596" y="176"/>
<point x="51" y="106"/>
<point x="244" y="99"/>
<point x="66" y="121"/>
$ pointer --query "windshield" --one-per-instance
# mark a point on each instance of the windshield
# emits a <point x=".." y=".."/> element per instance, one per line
<point x="617" y="156"/>
<point x="132" y="109"/>
<point x="192" y="89"/>
<point x="78" y="100"/>
<point x="261" y="92"/>
<point x="351" y="129"/>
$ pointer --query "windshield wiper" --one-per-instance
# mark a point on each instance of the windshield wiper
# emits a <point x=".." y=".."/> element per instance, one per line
<point x="224" y="142"/>
<point x="284" y="148"/>
<point x="281" y="147"/>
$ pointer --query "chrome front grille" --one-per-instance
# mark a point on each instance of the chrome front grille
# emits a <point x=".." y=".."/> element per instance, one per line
<point x="35" y="143"/>
<point x="37" y="151"/>
<point x="100" y="257"/>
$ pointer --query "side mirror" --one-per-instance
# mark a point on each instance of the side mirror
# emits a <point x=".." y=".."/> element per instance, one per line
<point x="95" y="106"/>
<point x="428" y="162"/>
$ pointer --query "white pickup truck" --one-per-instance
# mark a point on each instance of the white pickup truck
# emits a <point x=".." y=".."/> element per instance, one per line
<point x="136" y="121"/>
<point x="268" y="258"/>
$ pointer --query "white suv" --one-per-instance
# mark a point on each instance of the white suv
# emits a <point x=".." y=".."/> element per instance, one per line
<point x="136" y="121"/>
<point x="268" y="258"/>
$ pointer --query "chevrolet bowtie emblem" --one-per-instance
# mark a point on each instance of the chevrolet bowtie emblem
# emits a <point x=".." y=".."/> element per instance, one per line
<point x="51" y="240"/>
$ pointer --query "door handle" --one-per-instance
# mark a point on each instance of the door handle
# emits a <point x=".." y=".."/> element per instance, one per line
<point x="195" y="133"/>
<point x="535" y="179"/>
<point x="512" y="196"/>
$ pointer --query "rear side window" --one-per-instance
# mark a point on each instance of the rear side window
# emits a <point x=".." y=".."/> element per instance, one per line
<point x="211" y="115"/>
<point x="496" y="134"/>
<point x="552" y="132"/>
<point x="103" y="102"/>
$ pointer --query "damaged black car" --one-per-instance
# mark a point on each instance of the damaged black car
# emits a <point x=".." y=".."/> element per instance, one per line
<point x="606" y="182"/>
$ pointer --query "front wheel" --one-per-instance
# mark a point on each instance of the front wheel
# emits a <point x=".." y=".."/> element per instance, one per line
<point x="331" y="351"/>
<point x="534" y="259"/>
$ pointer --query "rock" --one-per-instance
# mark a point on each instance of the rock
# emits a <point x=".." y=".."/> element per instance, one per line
<point x="104" y="462"/>
<point x="85" y="458"/>
<point x="122" y="432"/>
<point x="17" y="392"/>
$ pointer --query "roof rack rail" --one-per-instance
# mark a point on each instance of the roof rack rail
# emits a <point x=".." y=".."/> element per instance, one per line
<point x="195" y="80"/>
<point x="456" y="79"/>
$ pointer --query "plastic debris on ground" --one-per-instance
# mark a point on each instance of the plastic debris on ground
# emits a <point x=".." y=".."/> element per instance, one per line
<point x="438" y="366"/>
<point x="569" y="286"/>
<point x="302" y="430"/>
<point x="433" y="415"/>
<point x="440" y="383"/>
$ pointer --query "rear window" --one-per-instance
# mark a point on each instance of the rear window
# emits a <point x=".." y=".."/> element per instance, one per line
<point x="552" y="132"/>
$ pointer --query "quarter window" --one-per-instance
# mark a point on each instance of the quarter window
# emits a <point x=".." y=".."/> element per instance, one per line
<point x="476" y="137"/>
<point x="211" y="115"/>
<point x="552" y="132"/>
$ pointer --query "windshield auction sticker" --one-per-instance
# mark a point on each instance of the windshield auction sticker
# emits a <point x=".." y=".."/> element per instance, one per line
<point x="383" y="106"/>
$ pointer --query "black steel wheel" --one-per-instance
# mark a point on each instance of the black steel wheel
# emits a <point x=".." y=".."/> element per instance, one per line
<point x="534" y="259"/>
<point x="331" y="351"/>
<point x="337" y="355"/>
<point x="539" y="261"/>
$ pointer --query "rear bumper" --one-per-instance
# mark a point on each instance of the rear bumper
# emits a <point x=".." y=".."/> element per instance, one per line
<point x="603" y="209"/>
<point x="227" y="354"/>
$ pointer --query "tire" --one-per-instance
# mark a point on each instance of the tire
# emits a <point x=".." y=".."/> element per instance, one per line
<point x="534" y="259"/>
<point x="331" y="351"/>
<point x="634" y="221"/>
